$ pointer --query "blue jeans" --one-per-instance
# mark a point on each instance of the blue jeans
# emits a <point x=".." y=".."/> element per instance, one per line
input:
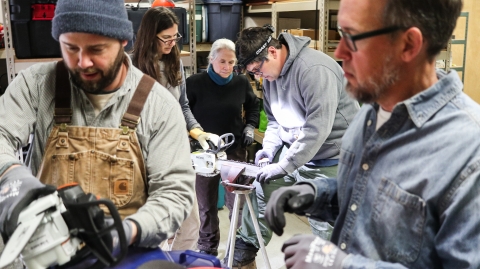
<point x="262" y="194"/>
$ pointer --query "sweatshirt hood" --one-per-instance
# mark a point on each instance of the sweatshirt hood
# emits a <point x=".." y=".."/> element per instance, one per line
<point x="295" y="44"/>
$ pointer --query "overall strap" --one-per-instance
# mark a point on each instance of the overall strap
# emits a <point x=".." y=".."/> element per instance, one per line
<point x="132" y="117"/>
<point x="63" y="92"/>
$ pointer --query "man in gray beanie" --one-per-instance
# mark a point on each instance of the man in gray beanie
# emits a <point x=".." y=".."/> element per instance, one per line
<point x="74" y="109"/>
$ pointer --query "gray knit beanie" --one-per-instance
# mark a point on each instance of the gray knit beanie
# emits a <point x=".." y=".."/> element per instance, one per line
<point x="101" y="17"/>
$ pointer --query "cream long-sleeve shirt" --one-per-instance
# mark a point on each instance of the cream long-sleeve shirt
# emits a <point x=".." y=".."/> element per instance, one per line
<point x="28" y="106"/>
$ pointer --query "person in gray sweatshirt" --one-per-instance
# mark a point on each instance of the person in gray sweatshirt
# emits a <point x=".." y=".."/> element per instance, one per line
<point x="308" y="112"/>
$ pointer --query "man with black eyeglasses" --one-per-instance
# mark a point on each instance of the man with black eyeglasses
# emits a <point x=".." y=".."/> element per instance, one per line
<point x="406" y="195"/>
<point x="308" y="112"/>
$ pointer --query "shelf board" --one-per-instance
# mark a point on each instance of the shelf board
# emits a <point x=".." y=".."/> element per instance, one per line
<point x="295" y="6"/>
<point x="203" y="46"/>
<point x="443" y="55"/>
<point x="21" y="64"/>
<point x="331" y="54"/>
<point x="258" y="136"/>
<point x="267" y="8"/>
<point x="334" y="4"/>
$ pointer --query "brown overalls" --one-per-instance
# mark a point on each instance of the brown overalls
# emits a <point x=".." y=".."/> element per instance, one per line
<point x="107" y="162"/>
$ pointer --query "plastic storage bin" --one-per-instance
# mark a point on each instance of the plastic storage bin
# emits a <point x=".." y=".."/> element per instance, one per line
<point x="32" y="28"/>
<point x="198" y="21"/>
<point x="152" y="258"/>
<point x="223" y="19"/>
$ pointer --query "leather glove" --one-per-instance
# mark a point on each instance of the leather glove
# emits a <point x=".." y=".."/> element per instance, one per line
<point x="270" y="172"/>
<point x="307" y="251"/>
<point x="18" y="188"/>
<point x="247" y="136"/>
<point x="293" y="199"/>
<point x="263" y="154"/>
<point x="203" y="137"/>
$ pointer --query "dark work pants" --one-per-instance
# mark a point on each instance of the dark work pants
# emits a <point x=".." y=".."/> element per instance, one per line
<point x="207" y="196"/>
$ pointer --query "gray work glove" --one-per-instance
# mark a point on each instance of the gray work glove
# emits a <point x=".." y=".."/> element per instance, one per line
<point x="293" y="199"/>
<point x="18" y="188"/>
<point x="247" y="136"/>
<point x="263" y="154"/>
<point x="127" y="227"/>
<point x="307" y="251"/>
<point x="270" y="172"/>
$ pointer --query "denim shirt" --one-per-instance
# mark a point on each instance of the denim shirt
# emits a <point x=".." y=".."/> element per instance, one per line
<point x="408" y="194"/>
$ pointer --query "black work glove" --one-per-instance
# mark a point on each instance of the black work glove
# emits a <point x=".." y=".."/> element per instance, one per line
<point x="307" y="251"/>
<point x="18" y="188"/>
<point x="293" y="199"/>
<point x="247" y="136"/>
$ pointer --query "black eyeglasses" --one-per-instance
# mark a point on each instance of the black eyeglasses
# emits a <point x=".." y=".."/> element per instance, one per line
<point x="350" y="39"/>
<point x="256" y="71"/>
<point x="169" y="42"/>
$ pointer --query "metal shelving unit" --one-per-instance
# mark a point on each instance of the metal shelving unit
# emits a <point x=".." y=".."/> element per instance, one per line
<point x="464" y="43"/>
<point x="310" y="5"/>
<point x="14" y="65"/>
<point x="322" y="9"/>
<point x="7" y="34"/>
<point x="193" y="39"/>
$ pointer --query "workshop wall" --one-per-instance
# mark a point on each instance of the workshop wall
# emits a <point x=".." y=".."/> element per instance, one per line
<point x="472" y="71"/>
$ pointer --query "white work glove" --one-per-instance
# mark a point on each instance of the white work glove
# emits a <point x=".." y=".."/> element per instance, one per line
<point x="270" y="172"/>
<point x="203" y="137"/>
<point x="263" y="155"/>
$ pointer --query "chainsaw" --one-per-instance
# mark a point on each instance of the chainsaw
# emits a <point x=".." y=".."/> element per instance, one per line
<point x="213" y="161"/>
<point x="64" y="229"/>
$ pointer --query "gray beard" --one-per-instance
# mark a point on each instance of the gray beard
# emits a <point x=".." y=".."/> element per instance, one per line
<point x="376" y="86"/>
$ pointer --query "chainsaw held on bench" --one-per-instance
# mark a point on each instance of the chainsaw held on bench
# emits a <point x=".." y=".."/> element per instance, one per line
<point x="213" y="161"/>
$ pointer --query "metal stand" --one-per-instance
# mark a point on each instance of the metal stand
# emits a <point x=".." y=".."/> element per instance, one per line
<point x="233" y="225"/>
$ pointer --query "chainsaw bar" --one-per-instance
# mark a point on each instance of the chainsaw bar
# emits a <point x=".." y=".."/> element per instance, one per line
<point x="251" y="170"/>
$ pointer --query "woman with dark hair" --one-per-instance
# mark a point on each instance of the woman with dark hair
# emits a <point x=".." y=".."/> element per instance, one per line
<point x="156" y="53"/>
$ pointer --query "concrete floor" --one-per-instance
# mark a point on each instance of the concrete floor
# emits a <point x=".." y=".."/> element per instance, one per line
<point x="295" y="225"/>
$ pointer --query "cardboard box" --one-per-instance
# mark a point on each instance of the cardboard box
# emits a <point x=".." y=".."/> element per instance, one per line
<point x="288" y="23"/>
<point x="333" y="35"/>
<point x="303" y="32"/>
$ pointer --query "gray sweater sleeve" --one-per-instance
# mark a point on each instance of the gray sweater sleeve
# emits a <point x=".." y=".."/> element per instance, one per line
<point x="321" y="102"/>
<point x="271" y="140"/>
<point x="187" y="113"/>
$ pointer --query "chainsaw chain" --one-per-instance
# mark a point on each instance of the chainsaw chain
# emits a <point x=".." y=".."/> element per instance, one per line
<point x="244" y="163"/>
